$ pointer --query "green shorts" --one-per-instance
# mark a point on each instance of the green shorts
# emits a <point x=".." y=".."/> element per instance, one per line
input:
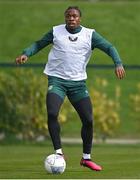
<point x="74" y="90"/>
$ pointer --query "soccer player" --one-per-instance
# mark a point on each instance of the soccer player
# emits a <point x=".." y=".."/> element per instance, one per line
<point x="72" y="45"/>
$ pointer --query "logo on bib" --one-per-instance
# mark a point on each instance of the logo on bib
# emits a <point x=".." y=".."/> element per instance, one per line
<point x="50" y="87"/>
<point x="73" y="39"/>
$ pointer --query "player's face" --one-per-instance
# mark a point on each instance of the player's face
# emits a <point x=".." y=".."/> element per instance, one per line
<point x="72" y="18"/>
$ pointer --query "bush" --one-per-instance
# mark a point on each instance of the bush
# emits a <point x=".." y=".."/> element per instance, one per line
<point x="105" y="110"/>
<point x="136" y="100"/>
<point x="21" y="100"/>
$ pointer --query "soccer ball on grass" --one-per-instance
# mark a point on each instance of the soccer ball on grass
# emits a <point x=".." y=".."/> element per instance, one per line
<point x="55" y="164"/>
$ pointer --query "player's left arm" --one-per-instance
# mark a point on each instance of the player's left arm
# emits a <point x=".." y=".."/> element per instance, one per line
<point x="101" y="43"/>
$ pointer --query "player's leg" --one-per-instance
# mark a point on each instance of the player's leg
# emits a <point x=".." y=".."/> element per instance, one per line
<point x="79" y="97"/>
<point x="54" y="102"/>
<point x="55" y="97"/>
<point x="84" y="109"/>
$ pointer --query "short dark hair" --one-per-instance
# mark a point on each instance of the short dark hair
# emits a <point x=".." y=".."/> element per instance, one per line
<point x="74" y="7"/>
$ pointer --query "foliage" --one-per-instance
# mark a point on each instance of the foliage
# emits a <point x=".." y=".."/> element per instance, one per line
<point x="21" y="101"/>
<point x="136" y="100"/>
<point x="105" y="110"/>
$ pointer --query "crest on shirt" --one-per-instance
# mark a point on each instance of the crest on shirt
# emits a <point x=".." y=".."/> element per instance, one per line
<point x="73" y="39"/>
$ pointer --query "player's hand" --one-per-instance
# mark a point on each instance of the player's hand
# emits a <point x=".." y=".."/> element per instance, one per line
<point x="21" y="59"/>
<point x="120" y="72"/>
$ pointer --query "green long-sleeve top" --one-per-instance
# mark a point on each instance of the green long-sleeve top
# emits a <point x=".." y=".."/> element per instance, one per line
<point x="97" y="41"/>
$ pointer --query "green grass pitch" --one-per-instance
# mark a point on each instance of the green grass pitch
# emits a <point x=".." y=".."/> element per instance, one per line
<point x="26" y="161"/>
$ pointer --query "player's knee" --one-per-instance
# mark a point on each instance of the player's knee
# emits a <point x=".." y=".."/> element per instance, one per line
<point x="88" y="121"/>
<point x="52" y="115"/>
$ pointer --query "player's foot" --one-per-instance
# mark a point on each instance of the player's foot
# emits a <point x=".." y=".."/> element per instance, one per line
<point x="90" y="164"/>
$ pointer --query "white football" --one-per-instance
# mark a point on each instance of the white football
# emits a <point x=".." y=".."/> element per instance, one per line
<point x="55" y="164"/>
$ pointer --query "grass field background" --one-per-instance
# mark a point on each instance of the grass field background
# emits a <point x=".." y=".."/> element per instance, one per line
<point x="26" y="161"/>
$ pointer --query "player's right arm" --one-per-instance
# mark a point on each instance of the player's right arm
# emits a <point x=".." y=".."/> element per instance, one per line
<point x="35" y="47"/>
